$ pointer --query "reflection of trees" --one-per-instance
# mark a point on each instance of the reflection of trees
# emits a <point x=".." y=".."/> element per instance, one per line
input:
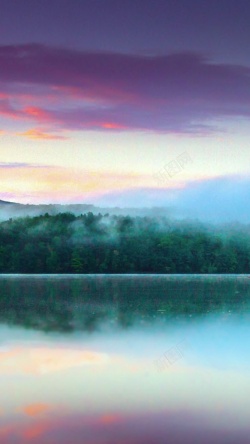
<point x="91" y="302"/>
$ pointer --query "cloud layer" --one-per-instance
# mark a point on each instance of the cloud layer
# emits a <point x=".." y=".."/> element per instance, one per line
<point x="72" y="90"/>
<point x="216" y="199"/>
<point x="219" y="199"/>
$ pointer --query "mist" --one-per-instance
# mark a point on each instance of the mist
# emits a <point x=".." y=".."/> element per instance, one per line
<point x="217" y="200"/>
<point x="104" y="243"/>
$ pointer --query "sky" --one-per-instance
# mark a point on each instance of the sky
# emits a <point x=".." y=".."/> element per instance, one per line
<point x="126" y="103"/>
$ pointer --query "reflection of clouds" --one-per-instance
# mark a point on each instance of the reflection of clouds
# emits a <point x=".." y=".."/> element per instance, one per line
<point x="46" y="360"/>
<point x="109" y="419"/>
<point x="40" y="429"/>
<point x="35" y="409"/>
<point x="170" y="427"/>
<point x="5" y="431"/>
<point x="34" y="431"/>
<point x="23" y="432"/>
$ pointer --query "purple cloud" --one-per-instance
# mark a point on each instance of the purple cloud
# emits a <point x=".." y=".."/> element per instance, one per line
<point x="11" y="165"/>
<point x="109" y="91"/>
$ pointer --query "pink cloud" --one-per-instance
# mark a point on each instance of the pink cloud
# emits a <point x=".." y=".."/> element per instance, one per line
<point x="177" y="93"/>
<point x="36" y="113"/>
<point x="6" y="110"/>
<point x="112" y="125"/>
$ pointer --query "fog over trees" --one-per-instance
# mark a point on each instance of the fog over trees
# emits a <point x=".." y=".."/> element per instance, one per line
<point x="103" y="243"/>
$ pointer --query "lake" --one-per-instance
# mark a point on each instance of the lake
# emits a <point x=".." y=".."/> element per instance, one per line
<point x="115" y="359"/>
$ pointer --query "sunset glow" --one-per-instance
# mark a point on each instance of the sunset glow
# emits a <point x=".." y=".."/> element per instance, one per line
<point x="124" y="108"/>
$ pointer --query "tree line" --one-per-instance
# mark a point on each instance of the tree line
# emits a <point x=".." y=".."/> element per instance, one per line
<point x="65" y="243"/>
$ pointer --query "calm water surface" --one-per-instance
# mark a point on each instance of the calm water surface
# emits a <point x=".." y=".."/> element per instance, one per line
<point x="124" y="359"/>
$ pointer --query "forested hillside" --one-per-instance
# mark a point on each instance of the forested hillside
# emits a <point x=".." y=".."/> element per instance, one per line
<point x="89" y="243"/>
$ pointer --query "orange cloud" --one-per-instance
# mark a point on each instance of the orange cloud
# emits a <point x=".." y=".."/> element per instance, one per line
<point x="36" y="134"/>
<point x="45" y="360"/>
<point x="2" y="132"/>
<point x="35" y="409"/>
<point x="66" y="184"/>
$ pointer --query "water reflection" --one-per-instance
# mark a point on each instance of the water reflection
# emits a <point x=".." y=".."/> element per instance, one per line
<point x="79" y="360"/>
<point x="84" y="303"/>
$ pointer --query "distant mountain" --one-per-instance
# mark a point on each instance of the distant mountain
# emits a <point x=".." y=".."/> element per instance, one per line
<point x="12" y="210"/>
<point x="5" y="202"/>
